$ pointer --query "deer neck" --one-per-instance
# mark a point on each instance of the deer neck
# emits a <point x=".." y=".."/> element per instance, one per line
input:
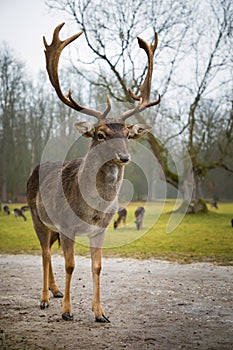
<point x="109" y="179"/>
<point x="100" y="180"/>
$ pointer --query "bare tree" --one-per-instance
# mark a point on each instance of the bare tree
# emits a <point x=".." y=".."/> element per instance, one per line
<point x="117" y="66"/>
<point x="195" y="60"/>
<point x="211" y="79"/>
<point x="28" y="113"/>
<point x="104" y="23"/>
<point x="11" y="90"/>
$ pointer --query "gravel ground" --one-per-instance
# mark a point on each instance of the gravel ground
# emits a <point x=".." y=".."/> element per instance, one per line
<point x="151" y="305"/>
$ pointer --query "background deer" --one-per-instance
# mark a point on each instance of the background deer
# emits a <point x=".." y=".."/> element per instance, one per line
<point x="139" y="215"/>
<point x="79" y="197"/>
<point x="122" y="214"/>
<point x="18" y="213"/>
<point x="6" y="210"/>
<point x="24" y="208"/>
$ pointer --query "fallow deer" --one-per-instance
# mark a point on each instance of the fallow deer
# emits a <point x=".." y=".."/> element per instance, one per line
<point x="24" y="208"/>
<point x="122" y="214"/>
<point x="79" y="197"/>
<point x="139" y="215"/>
<point x="18" y="213"/>
<point x="6" y="210"/>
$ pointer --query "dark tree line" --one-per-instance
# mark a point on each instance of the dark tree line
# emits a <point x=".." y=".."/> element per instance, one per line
<point x="28" y="113"/>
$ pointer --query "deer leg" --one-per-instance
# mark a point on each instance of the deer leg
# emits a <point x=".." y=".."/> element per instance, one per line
<point x="96" y="258"/>
<point x="68" y="249"/>
<point x="43" y="235"/>
<point x="46" y="257"/>
<point x="52" y="284"/>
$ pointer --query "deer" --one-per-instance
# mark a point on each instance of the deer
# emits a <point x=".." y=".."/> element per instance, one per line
<point x="6" y="210"/>
<point x="79" y="197"/>
<point x="122" y="214"/>
<point x="139" y="215"/>
<point x="18" y="213"/>
<point x="24" y="208"/>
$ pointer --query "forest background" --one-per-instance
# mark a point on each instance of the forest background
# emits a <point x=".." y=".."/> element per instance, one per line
<point x="193" y="74"/>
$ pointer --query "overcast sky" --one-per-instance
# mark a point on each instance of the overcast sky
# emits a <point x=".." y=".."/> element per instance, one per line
<point x="22" y="25"/>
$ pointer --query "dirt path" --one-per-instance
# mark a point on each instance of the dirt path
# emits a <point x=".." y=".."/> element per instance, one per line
<point x="151" y="304"/>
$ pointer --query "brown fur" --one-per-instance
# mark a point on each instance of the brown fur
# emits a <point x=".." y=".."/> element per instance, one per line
<point x="43" y="193"/>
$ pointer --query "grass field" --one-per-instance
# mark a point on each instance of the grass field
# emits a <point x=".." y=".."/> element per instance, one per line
<point x="203" y="237"/>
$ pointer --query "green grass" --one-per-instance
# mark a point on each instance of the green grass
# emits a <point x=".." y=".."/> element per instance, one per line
<point x="203" y="237"/>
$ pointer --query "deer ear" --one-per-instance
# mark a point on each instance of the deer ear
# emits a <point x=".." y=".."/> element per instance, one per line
<point x="138" y="130"/>
<point x="85" y="128"/>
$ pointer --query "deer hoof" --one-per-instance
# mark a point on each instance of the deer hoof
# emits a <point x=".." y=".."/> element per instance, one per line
<point x="102" y="319"/>
<point x="44" y="305"/>
<point x="58" y="295"/>
<point x="67" y="316"/>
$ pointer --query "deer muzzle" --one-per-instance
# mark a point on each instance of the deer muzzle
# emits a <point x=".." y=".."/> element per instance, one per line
<point x="123" y="158"/>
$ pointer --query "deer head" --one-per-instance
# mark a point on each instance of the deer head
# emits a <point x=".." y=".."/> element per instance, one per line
<point x="105" y="128"/>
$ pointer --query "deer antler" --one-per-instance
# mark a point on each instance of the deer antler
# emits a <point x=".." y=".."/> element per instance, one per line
<point x="144" y="97"/>
<point x="52" y="53"/>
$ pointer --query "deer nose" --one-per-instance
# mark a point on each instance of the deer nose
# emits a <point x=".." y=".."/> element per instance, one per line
<point x="124" y="158"/>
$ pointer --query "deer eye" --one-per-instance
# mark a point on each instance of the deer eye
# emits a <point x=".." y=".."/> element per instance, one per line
<point x="100" y="136"/>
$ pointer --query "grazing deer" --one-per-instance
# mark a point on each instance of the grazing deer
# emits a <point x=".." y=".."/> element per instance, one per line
<point x="24" y="208"/>
<point x="122" y="214"/>
<point x="79" y="197"/>
<point x="6" y="210"/>
<point x="139" y="214"/>
<point x="19" y="213"/>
